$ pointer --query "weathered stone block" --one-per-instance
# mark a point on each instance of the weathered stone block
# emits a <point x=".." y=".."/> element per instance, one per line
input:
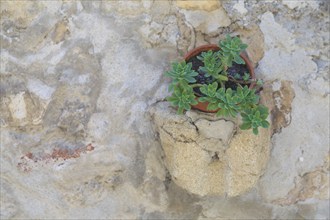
<point x="198" y="5"/>
<point x="204" y="156"/>
<point x="207" y="22"/>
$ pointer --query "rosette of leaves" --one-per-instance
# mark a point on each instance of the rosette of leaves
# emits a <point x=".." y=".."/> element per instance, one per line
<point x="212" y="65"/>
<point x="254" y="118"/>
<point x="181" y="73"/>
<point x="230" y="49"/>
<point x="226" y="101"/>
<point x="182" y="97"/>
<point x="229" y="102"/>
<point x="210" y="92"/>
<point x="248" y="97"/>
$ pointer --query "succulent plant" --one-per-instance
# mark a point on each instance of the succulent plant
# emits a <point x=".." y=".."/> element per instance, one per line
<point x="212" y="65"/>
<point x="260" y="82"/>
<point x="246" y="77"/>
<point x="229" y="102"/>
<point x="230" y="49"/>
<point x="248" y="97"/>
<point x="237" y="76"/>
<point x="210" y="92"/>
<point x="181" y="73"/>
<point x="254" y="118"/>
<point x="225" y="101"/>
<point x="182" y="97"/>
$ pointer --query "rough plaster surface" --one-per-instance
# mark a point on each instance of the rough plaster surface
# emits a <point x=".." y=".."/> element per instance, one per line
<point x="77" y="81"/>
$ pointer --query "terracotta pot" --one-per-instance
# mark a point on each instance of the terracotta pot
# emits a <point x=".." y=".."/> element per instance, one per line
<point x="202" y="106"/>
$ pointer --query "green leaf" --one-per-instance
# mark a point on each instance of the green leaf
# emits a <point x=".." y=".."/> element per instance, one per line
<point x="243" y="46"/>
<point x="212" y="106"/>
<point x="245" y="126"/>
<point x="222" y="77"/>
<point x="231" y="112"/>
<point x="221" y="112"/>
<point x="180" y="111"/>
<point x="202" y="99"/>
<point x="255" y="131"/>
<point x="244" y="116"/>
<point x="194" y="102"/>
<point x="259" y="82"/>
<point x="186" y="106"/>
<point x="246" y="77"/>
<point x="190" y="79"/>
<point x="237" y="76"/>
<point x="214" y="86"/>
<point x="171" y="87"/>
<point x="171" y="99"/>
<point x="263" y="111"/>
<point x="265" y="124"/>
<point x="257" y="114"/>
<point x="238" y="60"/>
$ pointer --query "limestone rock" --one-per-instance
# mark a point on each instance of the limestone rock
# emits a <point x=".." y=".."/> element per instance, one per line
<point x="9" y="206"/>
<point x="234" y="208"/>
<point x="22" y="12"/>
<point x="80" y="72"/>
<point x="314" y="184"/>
<point x="207" y="22"/>
<point x="247" y="158"/>
<point x="221" y="129"/>
<point x="198" y="5"/>
<point x="127" y="8"/>
<point x="239" y="6"/>
<point x="22" y="109"/>
<point x="271" y="30"/>
<point x="61" y="31"/>
<point x="230" y="166"/>
<point x="160" y="35"/>
<point x="300" y="4"/>
<point x="255" y="40"/>
<point x="294" y="153"/>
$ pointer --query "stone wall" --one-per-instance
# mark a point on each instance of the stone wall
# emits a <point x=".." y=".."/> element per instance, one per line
<point x="78" y="79"/>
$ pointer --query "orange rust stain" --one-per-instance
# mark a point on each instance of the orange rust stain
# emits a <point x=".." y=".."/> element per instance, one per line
<point x="29" y="155"/>
<point x="55" y="155"/>
<point x="66" y="154"/>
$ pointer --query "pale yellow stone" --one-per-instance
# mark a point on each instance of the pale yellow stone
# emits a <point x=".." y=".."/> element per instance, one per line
<point x="207" y="22"/>
<point x="207" y="5"/>
<point x="205" y="165"/>
<point x="61" y="30"/>
<point x="254" y="38"/>
<point x="22" y="12"/>
<point x="247" y="156"/>
<point x="191" y="167"/>
<point x="124" y="8"/>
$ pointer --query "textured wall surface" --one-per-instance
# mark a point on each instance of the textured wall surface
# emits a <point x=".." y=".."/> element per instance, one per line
<point x="78" y="79"/>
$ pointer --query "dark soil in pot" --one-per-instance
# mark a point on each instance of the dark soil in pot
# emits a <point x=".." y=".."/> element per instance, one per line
<point x="232" y="71"/>
<point x="200" y="78"/>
